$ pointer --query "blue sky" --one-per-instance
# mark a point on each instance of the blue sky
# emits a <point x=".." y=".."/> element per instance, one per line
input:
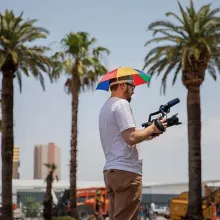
<point x="120" y="26"/>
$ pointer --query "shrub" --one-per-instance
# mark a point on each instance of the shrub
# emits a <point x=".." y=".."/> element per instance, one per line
<point x="64" y="218"/>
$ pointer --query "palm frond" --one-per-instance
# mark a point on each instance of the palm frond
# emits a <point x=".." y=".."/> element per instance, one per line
<point x="19" y="77"/>
<point x="217" y="62"/>
<point x="212" y="71"/>
<point x="48" y="165"/>
<point x="213" y="12"/>
<point x="168" y="27"/>
<point x="175" y="16"/>
<point x="2" y="58"/>
<point x="98" y="51"/>
<point x="176" y="73"/>
<point x="68" y="86"/>
<point x="15" y="36"/>
<point x="195" y="38"/>
<point x="51" y="166"/>
<point x="168" y="70"/>
<point x="80" y="58"/>
<point x="188" y="28"/>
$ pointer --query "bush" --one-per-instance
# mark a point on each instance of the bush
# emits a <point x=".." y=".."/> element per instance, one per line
<point x="64" y="218"/>
<point x="91" y="217"/>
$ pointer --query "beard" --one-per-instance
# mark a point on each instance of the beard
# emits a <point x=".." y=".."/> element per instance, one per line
<point x="129" y="99"/>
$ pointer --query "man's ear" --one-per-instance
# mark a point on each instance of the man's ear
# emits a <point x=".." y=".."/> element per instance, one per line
<point x="122" y="85"/>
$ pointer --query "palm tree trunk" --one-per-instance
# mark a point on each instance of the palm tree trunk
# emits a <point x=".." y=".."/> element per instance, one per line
<point x="7" y="144"/>
<point x="194" y="155"/>
<point x="48" y="198"/>
<point x="73" y="151"/>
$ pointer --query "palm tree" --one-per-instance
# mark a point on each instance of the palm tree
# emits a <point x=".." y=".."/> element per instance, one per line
<point x="191" y="47"/>
<point x="82" y="64"/>
<point x="0" y="120"/>
<point x="48" y="199"/>
<point x="17" y="56"/>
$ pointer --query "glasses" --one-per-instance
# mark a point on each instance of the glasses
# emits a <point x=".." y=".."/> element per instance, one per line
<point x="132" y="86"/>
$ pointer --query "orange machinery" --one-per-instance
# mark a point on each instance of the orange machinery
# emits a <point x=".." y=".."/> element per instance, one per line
<point x="93" y="197"/>
<point x="90" y="201"/>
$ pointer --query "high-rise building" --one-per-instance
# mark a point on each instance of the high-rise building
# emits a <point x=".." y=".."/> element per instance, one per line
<point x="44" y="154"/>
<point x="16" y="163"/>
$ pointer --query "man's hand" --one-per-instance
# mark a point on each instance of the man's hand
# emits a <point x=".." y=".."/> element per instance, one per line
<point x="133" y="136"/>
<point x="152" y="137"/>
<point x="156" y="130"/>
<point x="164" y="123"/>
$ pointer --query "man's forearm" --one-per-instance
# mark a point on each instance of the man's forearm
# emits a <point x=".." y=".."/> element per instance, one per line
<point x="138" y="136"/>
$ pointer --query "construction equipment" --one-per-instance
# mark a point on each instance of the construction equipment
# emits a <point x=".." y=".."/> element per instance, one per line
<point x="90" y="201"/>
<point x="210" y="204"/>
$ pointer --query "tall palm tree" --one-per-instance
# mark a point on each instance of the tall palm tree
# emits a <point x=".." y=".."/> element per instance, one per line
<point x="17" y="56"/>
<point x="0" y="120"/>
<point x="191" y="46"/>
<point x="48" y="199"/>
<point x="82" y="64"/>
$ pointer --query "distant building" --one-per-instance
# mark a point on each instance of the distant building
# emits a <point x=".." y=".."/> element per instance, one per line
<point x="16" y="163"/>
<point x="158" y="193"/>
<point x="43" y="154"/>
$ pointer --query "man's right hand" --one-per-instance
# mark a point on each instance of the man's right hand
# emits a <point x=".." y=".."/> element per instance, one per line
<point x="156" y="130"/>
<point x="133" y="136"/>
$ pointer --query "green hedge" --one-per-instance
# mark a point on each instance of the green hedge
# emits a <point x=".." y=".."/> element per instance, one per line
<point x="64" y="218"/>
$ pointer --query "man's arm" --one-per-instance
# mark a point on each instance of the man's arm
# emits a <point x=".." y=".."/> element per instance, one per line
<point x="127" y="126"/>
<point x="133" y="136"/>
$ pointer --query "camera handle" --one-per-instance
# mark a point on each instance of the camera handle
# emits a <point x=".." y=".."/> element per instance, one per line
<point x="159" y="124"/>
<point x="163" y="113"/>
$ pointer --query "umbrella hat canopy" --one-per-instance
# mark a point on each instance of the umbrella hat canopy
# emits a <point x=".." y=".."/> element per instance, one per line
<point x="138" y="77"/>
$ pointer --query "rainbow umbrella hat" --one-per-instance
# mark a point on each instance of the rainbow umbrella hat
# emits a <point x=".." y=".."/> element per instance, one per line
<point x="139" y="77"/>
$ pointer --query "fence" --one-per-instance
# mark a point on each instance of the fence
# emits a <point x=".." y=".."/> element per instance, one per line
<point x="30" y="202"/>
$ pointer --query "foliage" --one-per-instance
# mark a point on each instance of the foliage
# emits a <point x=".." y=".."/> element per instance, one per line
<point x="195" y="37"/>
<point x="52" y="167"/>
<point x="16" y="52"/>
<point x="64" y="218"/>
<point x="31" y="207"/>
<point x="78" y="51"/>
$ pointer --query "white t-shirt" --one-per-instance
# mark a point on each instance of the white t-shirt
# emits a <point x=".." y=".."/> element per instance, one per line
<point x="116" y="116"/>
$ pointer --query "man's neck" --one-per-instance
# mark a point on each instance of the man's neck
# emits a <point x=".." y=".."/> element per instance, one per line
<point x="117" y="95"/>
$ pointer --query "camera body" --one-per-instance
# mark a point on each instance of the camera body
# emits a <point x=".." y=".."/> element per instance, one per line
<point x="164" y="110"/>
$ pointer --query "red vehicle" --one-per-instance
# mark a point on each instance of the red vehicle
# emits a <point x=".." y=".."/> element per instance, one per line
<point x="90" y="201"/>
<point x="94" y="198"/>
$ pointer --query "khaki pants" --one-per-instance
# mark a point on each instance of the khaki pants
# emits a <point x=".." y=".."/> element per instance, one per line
<point x="124" y="190"/>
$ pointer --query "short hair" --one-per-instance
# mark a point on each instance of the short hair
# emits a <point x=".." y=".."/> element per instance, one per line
<point x="115" y="86"/>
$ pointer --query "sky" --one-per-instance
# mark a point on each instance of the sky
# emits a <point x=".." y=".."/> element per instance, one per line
<point x="41" y="116"/>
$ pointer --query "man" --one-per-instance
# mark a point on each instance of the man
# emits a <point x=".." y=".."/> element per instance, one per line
<point x="119" y="138"/>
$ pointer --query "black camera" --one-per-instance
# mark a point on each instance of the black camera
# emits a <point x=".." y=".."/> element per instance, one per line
<point x="164" y="110"/>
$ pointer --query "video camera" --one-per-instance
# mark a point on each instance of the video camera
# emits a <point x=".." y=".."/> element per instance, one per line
<point x="164" y="110"/>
